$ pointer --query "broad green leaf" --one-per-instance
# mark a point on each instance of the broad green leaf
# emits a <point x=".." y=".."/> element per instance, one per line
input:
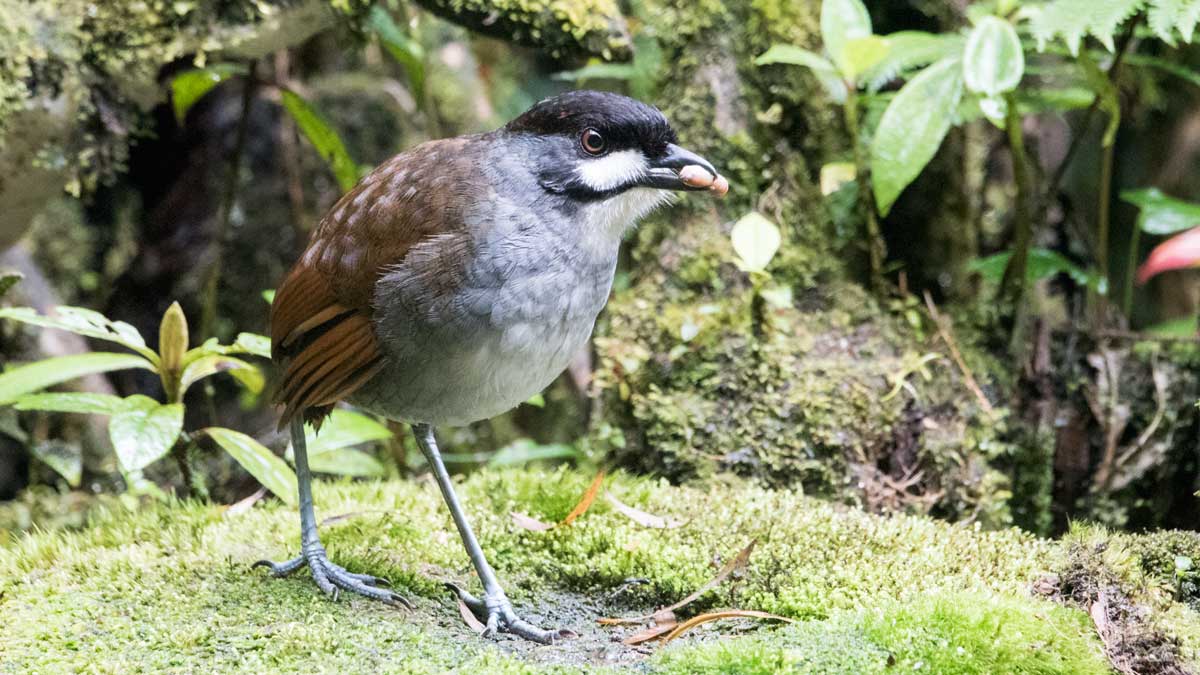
<point x="1042" y="264"/>
<point x="993" y="61"/>
<point x="65" y="459"/>
<point x="537" y="401"/>
<point x="912" y="128"/>
<point x="191" y="85"/>
<point x="908" y="50"/>
<point x="253" y="343"/>
<point x="343" y="428"/>
<point x="248" y="375"/>
<point x="144" y="431"/>
<point x="269" y="296"/>
<point x="264" y="465"/>
<point x="322" y="136"/>
<point x="87" y="403"/>
<point x="755" y="240"/>
<point x="526" y="450"/>
<point x="841" y="22"/>
<point x="347" y="462"/>
<point x="49" y="372"/>
<point x="85" y="322"/>
<point x="1162" y="214"/>
<point x="861" y="55"/>
<point x="408" y="52"/>
<point x="825" y="72"/>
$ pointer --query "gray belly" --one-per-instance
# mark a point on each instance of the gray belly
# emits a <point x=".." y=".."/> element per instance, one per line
<point x="476" y="378"/>
<point x="485" y="347"/>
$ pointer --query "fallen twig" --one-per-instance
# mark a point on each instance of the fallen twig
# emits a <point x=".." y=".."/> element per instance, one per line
<point x="946" y="332"/>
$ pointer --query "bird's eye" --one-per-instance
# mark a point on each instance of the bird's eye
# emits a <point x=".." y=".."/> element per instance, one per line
<point x="593" y="143"/>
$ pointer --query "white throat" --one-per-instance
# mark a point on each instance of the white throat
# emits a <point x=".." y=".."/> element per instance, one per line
<point x="603" y="223"/>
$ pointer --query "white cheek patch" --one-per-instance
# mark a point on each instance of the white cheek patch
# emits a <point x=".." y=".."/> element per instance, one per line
<point x="612" y="170"/>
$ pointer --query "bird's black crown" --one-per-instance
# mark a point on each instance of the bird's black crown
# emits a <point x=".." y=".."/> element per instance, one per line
<point x="625" y="122"/>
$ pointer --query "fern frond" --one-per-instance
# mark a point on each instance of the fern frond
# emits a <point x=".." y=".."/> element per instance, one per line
<point x="1168" y="16"/>
<point x="1075" y="19"/>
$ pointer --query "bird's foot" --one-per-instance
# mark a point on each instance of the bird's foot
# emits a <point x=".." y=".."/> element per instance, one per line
<point x="498" y="616"/>
<point x="333" y="579"/>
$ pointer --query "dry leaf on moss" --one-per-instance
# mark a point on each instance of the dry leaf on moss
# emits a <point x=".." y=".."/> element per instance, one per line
<point x="715" y="616"/>
<point x="639" y="516"/>
<point x="736" y="563"/>
<point x="527" y="522"/>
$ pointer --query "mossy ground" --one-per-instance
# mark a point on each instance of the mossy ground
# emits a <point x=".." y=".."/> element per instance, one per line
<point x="168" y="588"/>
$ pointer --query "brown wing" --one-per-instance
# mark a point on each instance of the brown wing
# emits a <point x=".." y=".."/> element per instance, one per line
<point x="321" y="329"/>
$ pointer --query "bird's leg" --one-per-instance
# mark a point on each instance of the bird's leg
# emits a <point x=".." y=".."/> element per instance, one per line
<point x="494" y="609"/>
<point x="330" y="578"/>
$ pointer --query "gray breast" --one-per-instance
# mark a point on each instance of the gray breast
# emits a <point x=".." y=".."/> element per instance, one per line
<point x="502" y="331"/>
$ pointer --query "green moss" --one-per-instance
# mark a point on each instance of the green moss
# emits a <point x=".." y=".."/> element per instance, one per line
<point x="168" y="586"/>
<point x="561" y="27"/>
<point x="948" y="634"/>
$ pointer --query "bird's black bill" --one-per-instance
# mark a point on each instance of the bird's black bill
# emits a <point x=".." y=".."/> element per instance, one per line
<point x="664" y="172"/>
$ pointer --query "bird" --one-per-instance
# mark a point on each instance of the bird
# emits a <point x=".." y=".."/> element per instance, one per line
<point x="456" y="281"/>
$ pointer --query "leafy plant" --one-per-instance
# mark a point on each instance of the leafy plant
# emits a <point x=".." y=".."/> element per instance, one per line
<point x="142" y="430"/>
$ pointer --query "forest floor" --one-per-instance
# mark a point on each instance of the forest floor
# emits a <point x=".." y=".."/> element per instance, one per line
<point x="169" y="587"/>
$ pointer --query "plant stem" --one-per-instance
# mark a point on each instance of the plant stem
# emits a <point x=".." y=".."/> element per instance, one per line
<point x="1135" y="238"/>
<point x="876" y="248"/>
<point x="1103" y="209"/>
<point x="208" y="315"/>
<point x="1012" y="285"/>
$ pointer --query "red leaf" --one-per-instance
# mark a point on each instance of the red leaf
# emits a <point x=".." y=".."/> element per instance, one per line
<point x="1178" y="252"/>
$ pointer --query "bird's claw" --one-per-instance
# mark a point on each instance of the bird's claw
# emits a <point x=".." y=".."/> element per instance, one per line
<point x="498" y="616"/>
<point x="332" y="579"/>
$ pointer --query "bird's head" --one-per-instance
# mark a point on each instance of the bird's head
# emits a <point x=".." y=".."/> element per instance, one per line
<point x="592" y="146"/>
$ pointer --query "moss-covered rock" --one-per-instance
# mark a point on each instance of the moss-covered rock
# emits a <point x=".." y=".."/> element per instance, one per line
<point x="168" y="587"/>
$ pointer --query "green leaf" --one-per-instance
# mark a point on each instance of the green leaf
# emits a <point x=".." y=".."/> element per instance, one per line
<point x="144" y="431"/>
<point x="322" y="136"/>
<point x="1042" y="264"/>
<point x="862" y="54"/>
<point x="343" y="428"/>
<point x="85" y="322"/>
<point x="1161" y="214"/>
<point x="191" y="85"/>
<point x="347" y="462"/>
<point x="912" y="128"/>
<point x="87" y="403"/>
<point x="8" y="280"/>
<point x="48" y="372"/>
<point x="755" y="240"/>
<point x="825" y="72"/>
<point x="908" y="50"/>
<point x="246" y="343"/>
<point x="1187" y="326"/>
<point x="65" y="459"/>
<point x="1168" y="16"/>
<point x="841" y="22"/>
<point x="249" y="376"/>
<point x="269" y="296"/>
<point x="537" y="401"/>
<point x="993" y="61"/>
<point x="408" y="52"/>
<point x="264" y="465"/>
<point x="525" y="450"/>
